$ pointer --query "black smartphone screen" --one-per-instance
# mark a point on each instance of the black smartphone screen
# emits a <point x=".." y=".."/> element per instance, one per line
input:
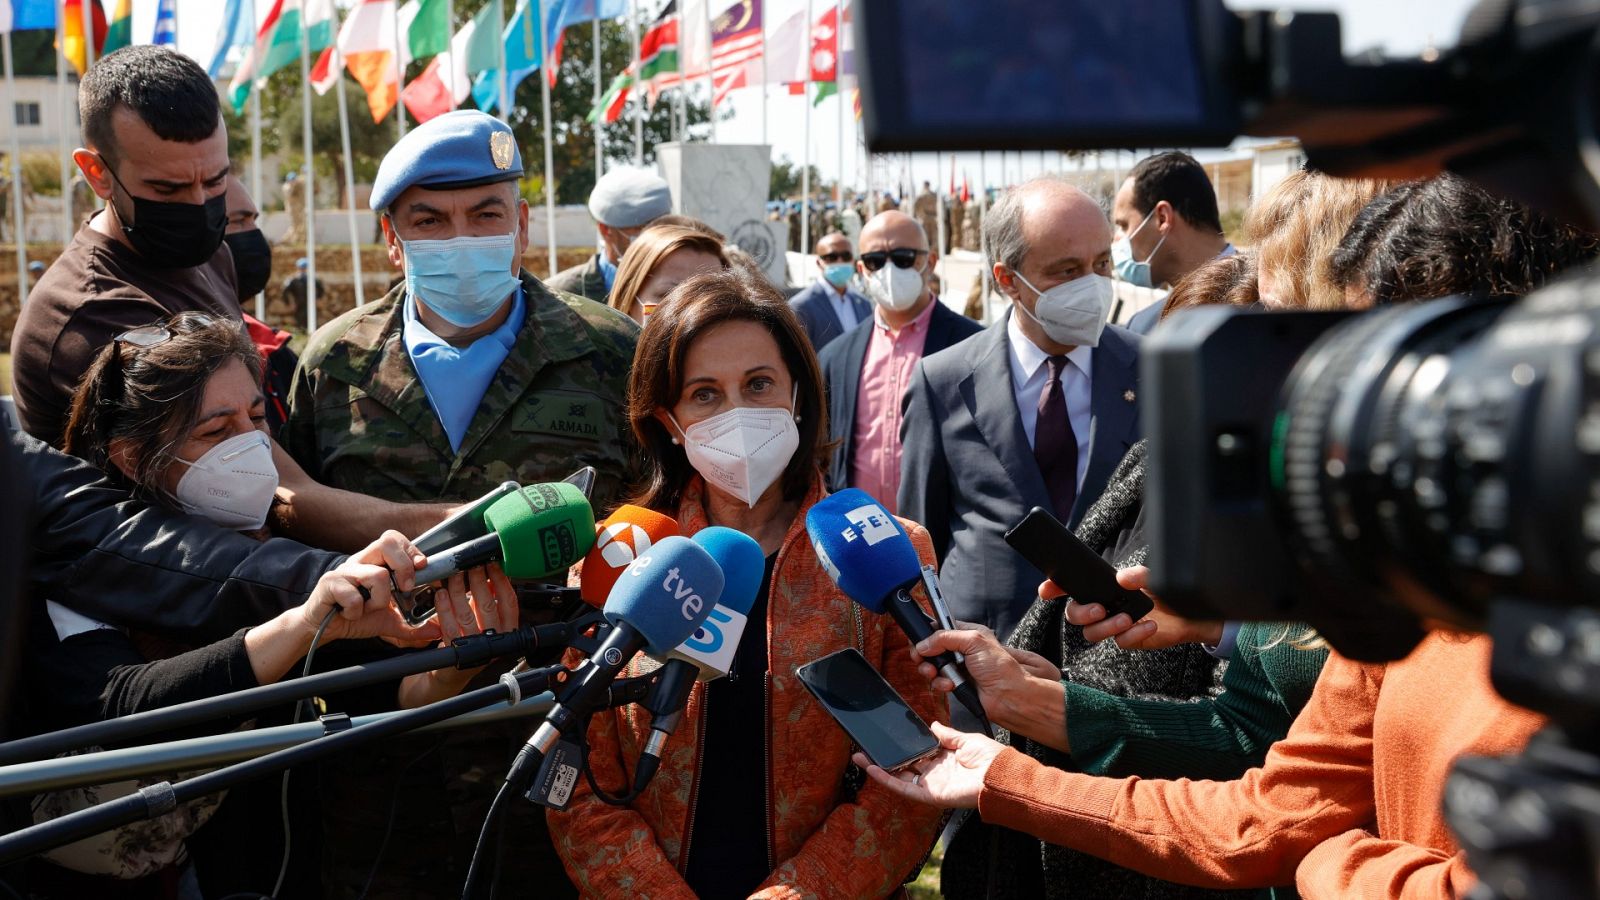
<point x="1049" y="546"/>
<point x="869" y="709"/>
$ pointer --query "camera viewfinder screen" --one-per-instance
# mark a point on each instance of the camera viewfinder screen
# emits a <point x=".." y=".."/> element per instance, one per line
<point x="1012" y="64"/>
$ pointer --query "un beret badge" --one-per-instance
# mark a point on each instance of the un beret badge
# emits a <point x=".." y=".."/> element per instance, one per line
<point x="500" y="149"/>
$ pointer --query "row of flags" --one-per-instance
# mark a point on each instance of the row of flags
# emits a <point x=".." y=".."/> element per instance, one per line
<point x="489" y="55"/>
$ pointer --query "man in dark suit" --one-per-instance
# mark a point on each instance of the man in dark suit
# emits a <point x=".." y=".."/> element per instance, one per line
<point x="868" y="368"/>
<point x="1035" y="411"/>
<point x="828" y="307"/>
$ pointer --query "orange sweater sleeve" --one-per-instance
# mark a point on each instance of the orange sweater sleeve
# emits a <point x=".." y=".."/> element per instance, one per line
<point x="1356" y="865"/>
<point x="1252" y="832"/>
<point x="610" y="851"/>
<point x="865" y="848"/>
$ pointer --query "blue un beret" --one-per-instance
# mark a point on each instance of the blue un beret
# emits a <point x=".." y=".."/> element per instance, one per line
<point x="460" y="149"/>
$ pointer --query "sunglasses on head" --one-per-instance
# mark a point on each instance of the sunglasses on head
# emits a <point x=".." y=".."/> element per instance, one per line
<point x="842" y="256"/>
<point x="902" y="257"/>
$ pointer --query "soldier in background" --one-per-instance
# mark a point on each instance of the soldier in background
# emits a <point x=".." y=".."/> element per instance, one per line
<point x="925" y="209"/>
<point x="294" y="203"/>
<point x="445" y="388"/>
<point x="294" y="291"/>
<point x="971" y="225"/>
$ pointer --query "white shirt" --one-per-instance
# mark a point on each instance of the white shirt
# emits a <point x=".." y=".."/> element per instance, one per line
<point x="842" y="307"/>
<point x="1029" y="374"/>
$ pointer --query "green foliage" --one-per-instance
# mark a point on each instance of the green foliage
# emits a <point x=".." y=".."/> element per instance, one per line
<point x="786" y="180"/>
<point x="41" y="173"/>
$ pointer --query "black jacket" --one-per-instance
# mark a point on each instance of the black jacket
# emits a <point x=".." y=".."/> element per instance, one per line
<point x="94" y="549"/>
<point x="842" y="360"/>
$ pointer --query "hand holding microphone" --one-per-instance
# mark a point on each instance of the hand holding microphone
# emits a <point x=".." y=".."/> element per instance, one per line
<point x="872" y="560"/>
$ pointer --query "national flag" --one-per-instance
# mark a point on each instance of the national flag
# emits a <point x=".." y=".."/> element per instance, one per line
<point x="615" y="98"/>
<point x="69" y="36"/>
<point x="235" y="31"/>
<point x="166" y="30"/>
<point x="367" y="48"/>
<point x="475" y="48"/>
<point x="736" y="38"/>
<point x="788" y="52"/>
<point x="522" y="43"/>
<point x="278" y="43"/>
<point x="427" y="33"/>
<point x="825" y="89"/>
<point x="824" y="56"/>
<point x="565" y="13"/>
<point x="855" y="102"/>
<point x="658" y="53"/>
<point x="27" y="15"/>
<point x="119" y="33"/>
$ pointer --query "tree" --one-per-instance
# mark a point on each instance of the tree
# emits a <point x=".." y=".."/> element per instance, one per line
<point x="786" y="180"/>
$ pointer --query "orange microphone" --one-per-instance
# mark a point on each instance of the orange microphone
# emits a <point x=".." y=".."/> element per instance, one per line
<point x="618" y="541"/>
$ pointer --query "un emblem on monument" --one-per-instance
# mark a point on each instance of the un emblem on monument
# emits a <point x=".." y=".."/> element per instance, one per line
<point x="752" y="237"/>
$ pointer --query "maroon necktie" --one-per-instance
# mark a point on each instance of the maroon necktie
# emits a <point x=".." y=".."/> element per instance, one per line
<point x="1055" y="446"/>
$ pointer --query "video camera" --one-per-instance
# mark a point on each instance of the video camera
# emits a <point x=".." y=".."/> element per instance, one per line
<point x="1372" y="474"/>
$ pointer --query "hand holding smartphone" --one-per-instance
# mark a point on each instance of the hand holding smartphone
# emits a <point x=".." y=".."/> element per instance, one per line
<point x="869" y="709"/>
<point x="1049" y="546"/>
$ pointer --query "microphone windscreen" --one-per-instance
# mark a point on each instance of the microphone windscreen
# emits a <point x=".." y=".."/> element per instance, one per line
<point x="862" y="547"/>
<point x="666" y="593"/>
<point x="544" y="529"/>
<point x="628" y="532"/>
<point x="742" y="562"/>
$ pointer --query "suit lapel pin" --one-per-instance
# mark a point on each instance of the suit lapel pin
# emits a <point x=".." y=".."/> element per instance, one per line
<point x="1129" y="396"/>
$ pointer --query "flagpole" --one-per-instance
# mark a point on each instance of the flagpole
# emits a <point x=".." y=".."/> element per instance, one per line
<point x="805" y="155"/>
<point x="764" y="78"/>
<point x="638" y="86"/>
<point x="87" y="14"/>
<point x="938" y="223"/>
<point x="310" y="183"/>
<point x="986" y="268"/>
<point x="62" y="159"/>
<point x="349" y="184"/>
<point x="450" y="21"/>
<point x="19" y="237"/>
<point x="711" y="87"/>
<point x="549" y="154"/>
<point x="399" y="76"/>
<point x="838" y="93"/>
<point x="505" y="66"/>
<point x="600" y="120"/>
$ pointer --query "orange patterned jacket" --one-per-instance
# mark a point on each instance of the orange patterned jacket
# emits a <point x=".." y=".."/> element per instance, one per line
<point x="819" y="843"/>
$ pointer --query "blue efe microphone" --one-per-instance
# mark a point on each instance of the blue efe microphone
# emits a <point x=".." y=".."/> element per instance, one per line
<point x="659" y="601"/>
<point x="871" y="558"/>
<point x="709" y="653"/>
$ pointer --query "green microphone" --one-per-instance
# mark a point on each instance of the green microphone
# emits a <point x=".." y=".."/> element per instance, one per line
<point x="537" y="532"/>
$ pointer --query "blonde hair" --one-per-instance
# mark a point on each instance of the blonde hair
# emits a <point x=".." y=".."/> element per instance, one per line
<point x="1307" y="639"/>
<point x="653" y="245"/>
<point x="1295" y="227"/>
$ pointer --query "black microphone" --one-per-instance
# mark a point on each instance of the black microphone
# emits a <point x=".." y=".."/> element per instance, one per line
<point x="660" y="600"/>
<point x="872" y="560"/>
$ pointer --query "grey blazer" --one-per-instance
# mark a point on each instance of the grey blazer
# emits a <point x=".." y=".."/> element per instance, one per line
<point x="968" y="472"/>
<point x="817" y="316"/>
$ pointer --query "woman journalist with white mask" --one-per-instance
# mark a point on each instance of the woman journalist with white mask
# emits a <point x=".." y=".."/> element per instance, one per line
<point x="175" y="410"/>
<point x="755" y="794"/>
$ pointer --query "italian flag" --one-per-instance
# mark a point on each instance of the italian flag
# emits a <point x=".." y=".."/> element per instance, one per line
<point x="475" y="48"/>
<point x="278" y="43"/>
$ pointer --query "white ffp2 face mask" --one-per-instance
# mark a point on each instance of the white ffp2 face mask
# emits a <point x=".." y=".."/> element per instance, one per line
<point x="232" y="485"/>
<point x="894" y="288"/>
<point x="744" y="450"/>
<point x="1073" y="312"/>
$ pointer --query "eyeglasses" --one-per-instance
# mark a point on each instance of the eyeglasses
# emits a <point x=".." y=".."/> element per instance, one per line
<point x="842" y="256"/>
<point x="902" y="257"/>
<point x="146" y="336"/>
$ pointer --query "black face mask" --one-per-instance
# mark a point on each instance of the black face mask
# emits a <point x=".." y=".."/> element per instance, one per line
<point x="173" y="235"/>
<point x="252" y="261"/>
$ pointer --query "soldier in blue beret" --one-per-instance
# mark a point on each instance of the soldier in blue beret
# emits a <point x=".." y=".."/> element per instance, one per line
<point x="468" y="374"/>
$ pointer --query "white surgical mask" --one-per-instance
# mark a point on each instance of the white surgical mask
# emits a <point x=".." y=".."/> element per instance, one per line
<point x="894" y="288"/>
<point x="1073" y="312"/>
<point x="1123" y="264"/>
<point x="232" y="485"/>
<point x="744" y="450"/>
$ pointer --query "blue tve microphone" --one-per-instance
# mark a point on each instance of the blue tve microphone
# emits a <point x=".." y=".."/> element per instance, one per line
<point x="659" y="601"/>
<point x="710" y="651"/>
<point x="872" y="560"/>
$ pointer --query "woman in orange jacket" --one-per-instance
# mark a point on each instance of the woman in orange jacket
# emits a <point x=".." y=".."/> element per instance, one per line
<point x="755" y="795"/>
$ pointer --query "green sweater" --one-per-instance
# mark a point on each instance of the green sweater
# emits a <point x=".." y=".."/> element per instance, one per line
<point x="1267" y="681"/>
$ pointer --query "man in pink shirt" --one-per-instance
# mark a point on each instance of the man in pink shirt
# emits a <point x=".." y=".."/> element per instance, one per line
<point x="868" y="369"/>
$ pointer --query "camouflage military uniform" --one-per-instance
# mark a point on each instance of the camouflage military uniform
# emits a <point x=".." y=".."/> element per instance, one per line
<point x="359" y="419"/>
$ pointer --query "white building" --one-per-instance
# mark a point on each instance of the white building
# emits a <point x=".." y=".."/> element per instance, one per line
<point x="1274" y="162"/>
<point x="40" y="113"/>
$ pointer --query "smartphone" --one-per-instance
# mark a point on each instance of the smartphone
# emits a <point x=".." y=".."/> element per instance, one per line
<point x="1048" y="545"/>
<point x="463" y="525"/>
<point x="869" y="709"/>
<point x="941" y="611"/>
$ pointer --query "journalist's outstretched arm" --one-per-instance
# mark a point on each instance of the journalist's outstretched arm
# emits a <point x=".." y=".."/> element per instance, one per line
<point x="96" y="550"/>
